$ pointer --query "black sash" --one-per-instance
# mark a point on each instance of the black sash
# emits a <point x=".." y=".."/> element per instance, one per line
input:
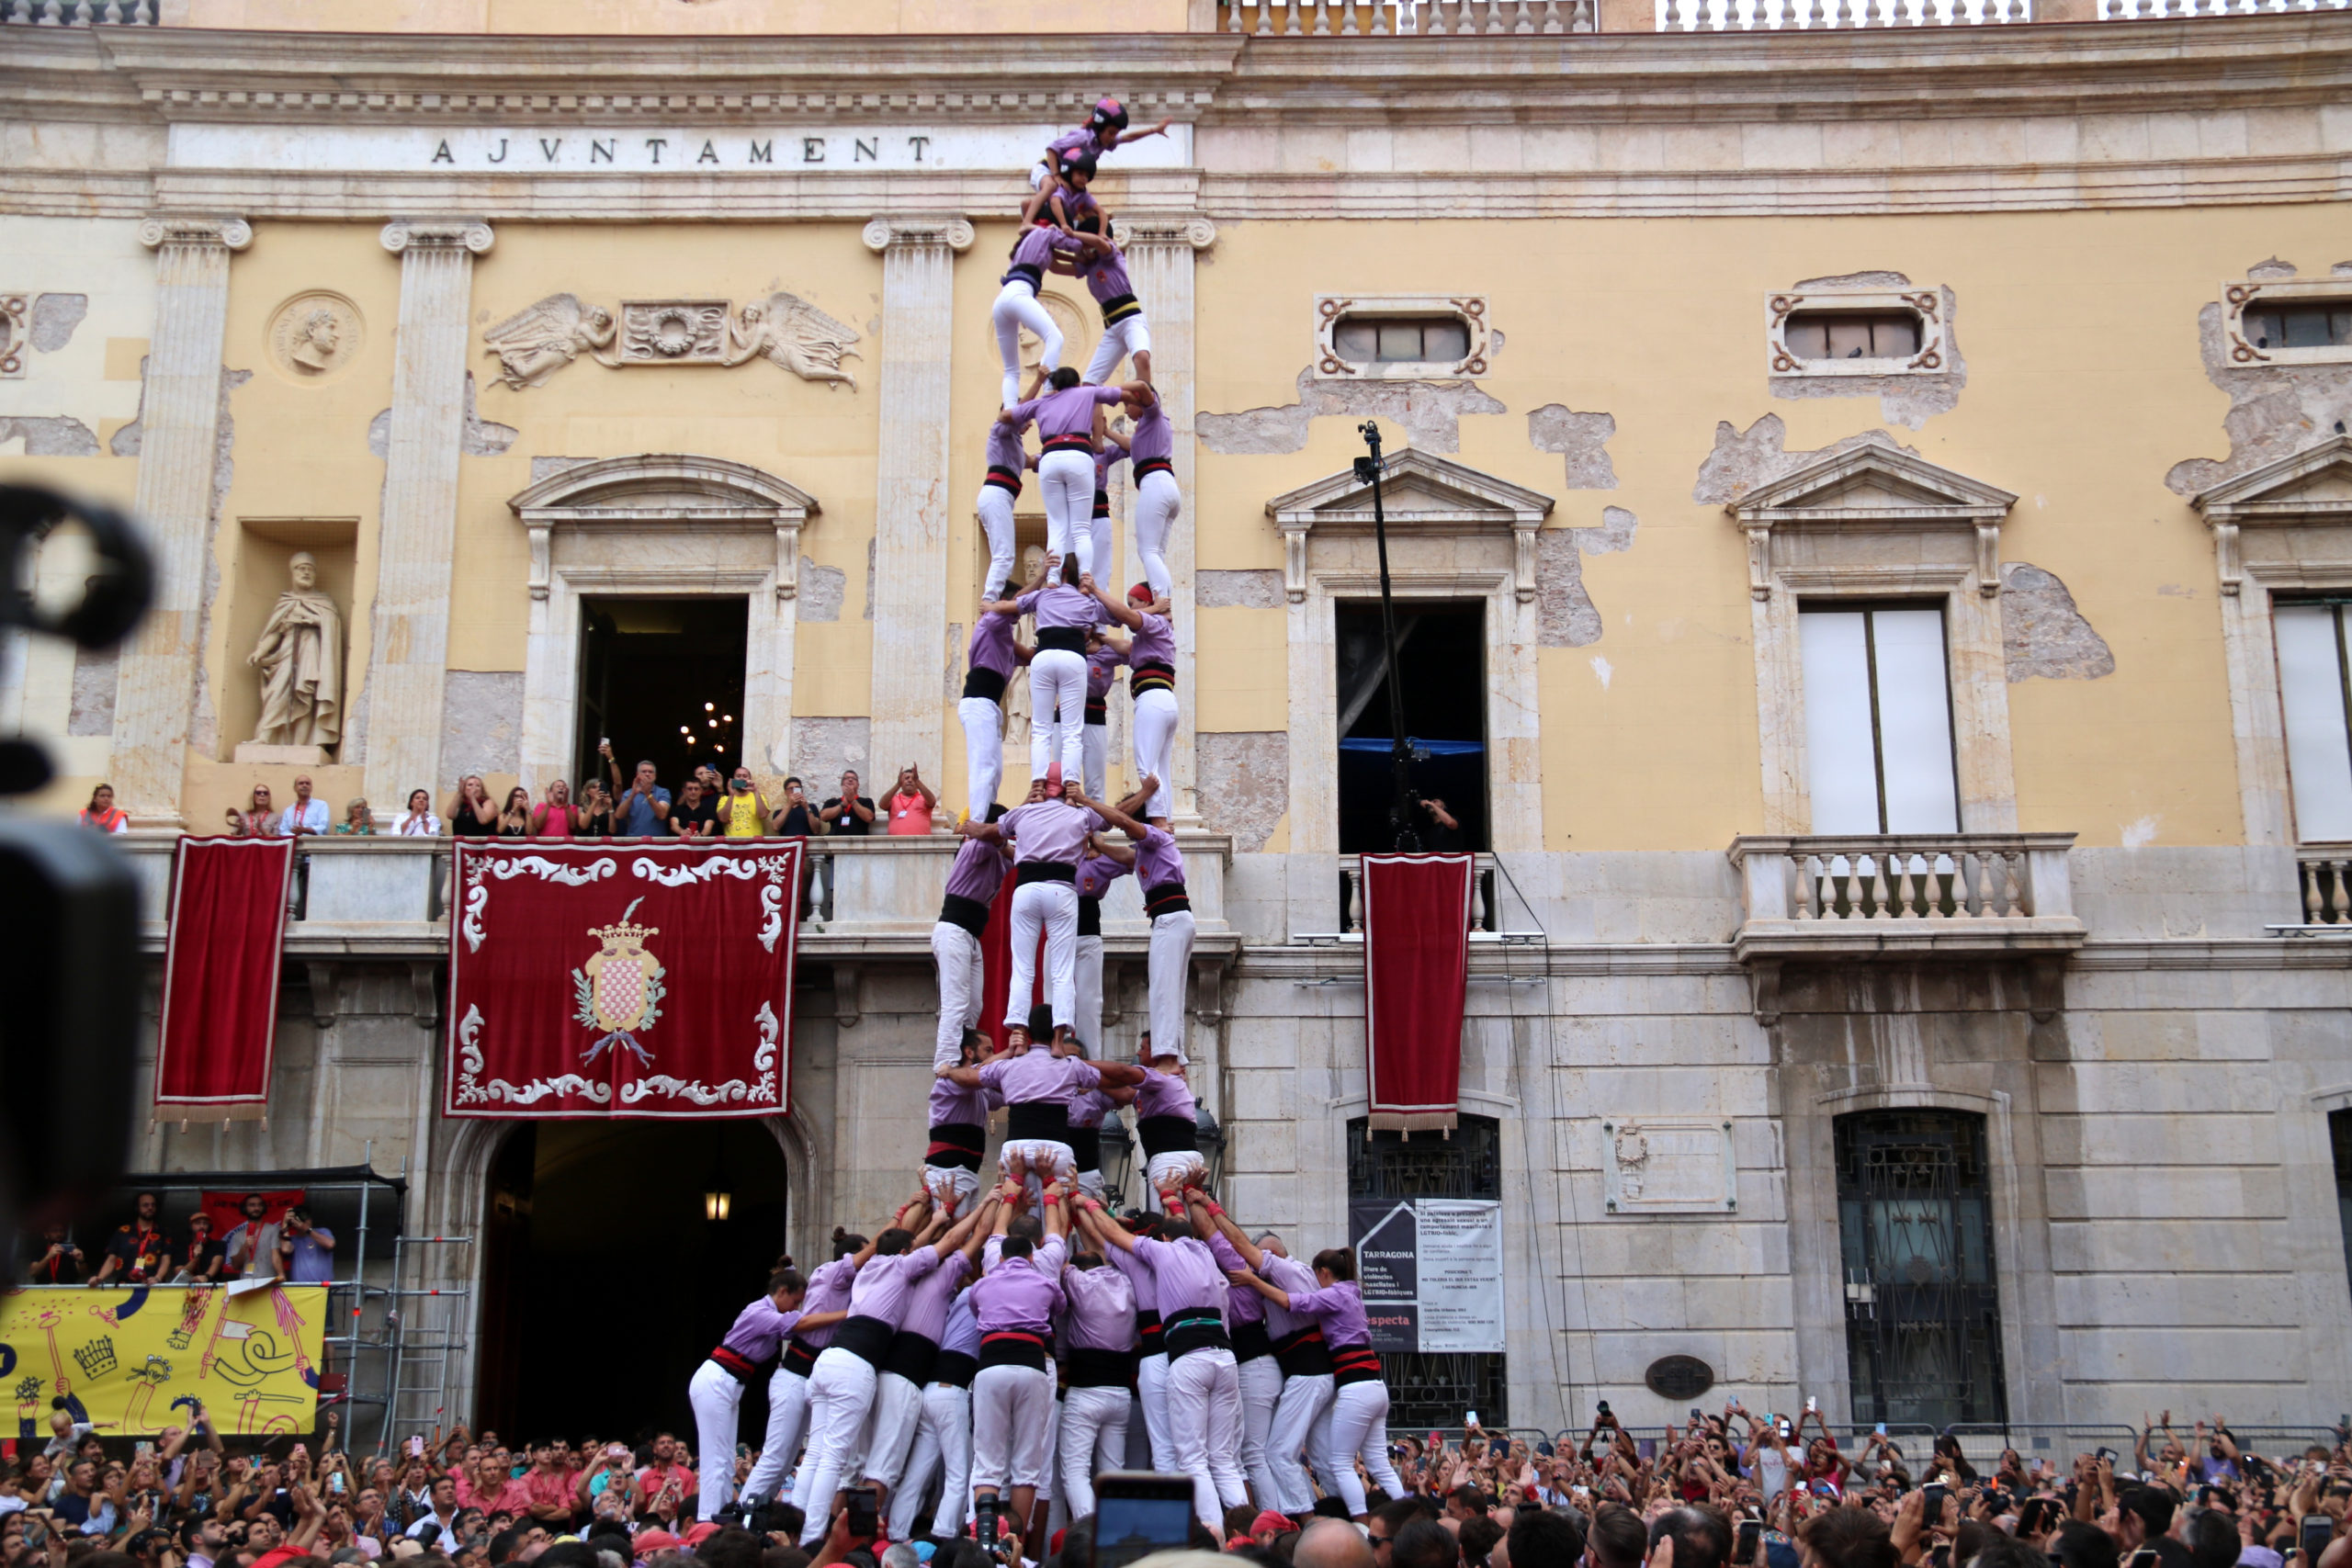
<point x="1022" y="271"/>
<point x="1102" y="504"/>
<point x="1148" y="1332"/>
<point x="1069" y="639"/>
<point x="1013" y="1348"/>
<point x="912" y="1356"/>
<point x="1030" y="871"/>
<point x="969" y="913"/>
<point x="1153" y="466"/>
<point x="987" y="684"/>
<point x="956" y="1368"/>
<point x="1165" y="899"/>
<point x="799" y="1356"/>
<point x="1168" y="1135"/>
<point x="1354" y="1363"/>
<point x="1073" y="441"/>
<point x="1037" y="1121"/>
<point x="1302" y="1354"/>
<point x="1102" y="1368"/>
<point x="956" y="1145"/>
<point x="867" y="1338"/>
<point x="1118" y="308"/>
<point x="1090" y="923"/>
<point x="1098" y="709"/>
<point x="1250" y="1341"/>
<point x="1003" y="478"/>
<point x="1152" y="677"/>
<point x="1085" y="1147"/>
<point x="1198" y="1328"/>
<point x="742" y="1369"/>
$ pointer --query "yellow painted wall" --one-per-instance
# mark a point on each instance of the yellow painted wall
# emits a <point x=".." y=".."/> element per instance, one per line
<point x="586" y="18"/>
<point x="2084" y="386"/>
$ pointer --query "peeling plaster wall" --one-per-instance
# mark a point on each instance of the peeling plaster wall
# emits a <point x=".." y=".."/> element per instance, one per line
<point x="1581" y="438"/>
<point x="2273" y="409"/>
<point x="1430" y="413"/>
<point x="481" y="724"/>
<point x="1744" y="460"/>
<point x="822" y="589"/>
<point x="2042" y="633"/>
<point x="61" y="435"/>
<point x="1244" y="785"/>
<point x="822" y="748"/>
<point x="1566" y="616"/>
<point x="54" y="317"/>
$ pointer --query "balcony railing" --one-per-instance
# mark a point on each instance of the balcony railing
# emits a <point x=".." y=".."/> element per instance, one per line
<point x="1925" y="894"/>
<point x="2323" y="879"/>
<point x="1487" y="896"/>
<point x="1817" y="15"/>
<point x="1388" y="18"/>
<point x="80" y="13"/>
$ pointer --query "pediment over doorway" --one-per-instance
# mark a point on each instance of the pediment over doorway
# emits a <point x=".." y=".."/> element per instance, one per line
<point x="1423" y="496"/>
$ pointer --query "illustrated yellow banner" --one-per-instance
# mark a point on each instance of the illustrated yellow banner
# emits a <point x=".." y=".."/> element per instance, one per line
<point x="136" y="1360"/>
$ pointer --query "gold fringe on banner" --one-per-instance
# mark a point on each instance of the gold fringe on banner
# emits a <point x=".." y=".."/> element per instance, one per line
<point x="1409" y="1122"/>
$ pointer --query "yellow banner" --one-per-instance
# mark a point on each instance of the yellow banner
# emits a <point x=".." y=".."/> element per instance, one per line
<point x="137" y="1360"/>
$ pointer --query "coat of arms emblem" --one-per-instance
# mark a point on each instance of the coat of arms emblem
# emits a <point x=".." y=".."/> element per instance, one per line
<point x="619" y="989"/>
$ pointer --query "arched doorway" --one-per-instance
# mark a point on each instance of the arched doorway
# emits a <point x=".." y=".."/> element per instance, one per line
<point x="606" y="1277"/>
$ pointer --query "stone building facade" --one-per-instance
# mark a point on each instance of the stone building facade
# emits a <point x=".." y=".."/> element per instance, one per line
<point x="693" y="308"/>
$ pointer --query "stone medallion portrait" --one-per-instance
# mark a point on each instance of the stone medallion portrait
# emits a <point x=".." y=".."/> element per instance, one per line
<point x="314" y="336"/>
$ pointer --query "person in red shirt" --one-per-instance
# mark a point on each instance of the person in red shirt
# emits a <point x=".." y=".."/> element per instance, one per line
<point x="548" y="1486"/>
<point x="665" y="1470"/>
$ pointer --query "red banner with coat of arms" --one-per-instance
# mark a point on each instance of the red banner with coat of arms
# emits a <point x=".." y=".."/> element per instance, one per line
<point x="601" y="980"/>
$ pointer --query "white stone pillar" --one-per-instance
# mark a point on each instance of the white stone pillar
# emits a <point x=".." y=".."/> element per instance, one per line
<point x="910" y="699"/>
<point x="409" y="647"/>
<point x="180" y="434"/>
<point x="1161" y="249"/>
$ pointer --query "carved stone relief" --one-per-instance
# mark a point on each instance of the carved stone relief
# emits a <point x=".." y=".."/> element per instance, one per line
<point x="539" y="340"/>
<point x="16" y="315"/>
<point x="314" y="335"/>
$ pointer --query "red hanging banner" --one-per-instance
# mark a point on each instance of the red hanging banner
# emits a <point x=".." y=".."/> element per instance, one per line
<point x="226" y="927"/>
<point x="1416" y="967"/>
<point x="590" y="980"/>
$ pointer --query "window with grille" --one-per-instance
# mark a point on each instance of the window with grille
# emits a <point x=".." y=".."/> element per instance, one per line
<point x="1877" y="720"/>
<point x="1915" y="1224"/>
<point x="1401" y="340"/>
<point x="2314" y="640"/>
<point x="2320" y="324"/>
<point x="1433" y="1388"/>
<point x="1852" y="334"/>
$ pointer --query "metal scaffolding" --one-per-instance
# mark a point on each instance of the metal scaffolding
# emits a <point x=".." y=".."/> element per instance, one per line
<point x="425" y="1332"/>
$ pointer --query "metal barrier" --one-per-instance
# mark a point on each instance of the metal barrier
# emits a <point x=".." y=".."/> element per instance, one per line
<point x="2059" y="1442"/>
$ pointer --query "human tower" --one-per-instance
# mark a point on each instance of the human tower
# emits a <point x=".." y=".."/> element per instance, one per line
<point x="1012" y="1344"/>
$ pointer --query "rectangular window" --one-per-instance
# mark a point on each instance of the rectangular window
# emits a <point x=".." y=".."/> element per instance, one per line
<point x="2326" y="326"/>
<point x="2315" y="697"/>
<point x="1441" y="649"/>
<point x="1878" y="721"/>
<point x="1401" y="340"/>
<point x="1852" y="334"/>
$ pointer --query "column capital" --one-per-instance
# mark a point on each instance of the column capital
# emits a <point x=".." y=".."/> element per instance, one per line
<point x="908" y="229"/>
<point x="403" y="234"/>
<point x="1192" y="230"/>
<point x="195" y="229"/>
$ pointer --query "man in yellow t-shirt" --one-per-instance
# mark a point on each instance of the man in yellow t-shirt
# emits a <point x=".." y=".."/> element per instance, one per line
<point x="742" y="813"/>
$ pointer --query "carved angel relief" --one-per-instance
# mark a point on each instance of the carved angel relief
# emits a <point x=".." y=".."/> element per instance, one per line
<point x="534" y="344"/>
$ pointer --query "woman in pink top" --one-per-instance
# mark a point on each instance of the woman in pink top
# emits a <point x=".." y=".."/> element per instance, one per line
<point x="910" y="803"/>
<point x="556" y="817"/>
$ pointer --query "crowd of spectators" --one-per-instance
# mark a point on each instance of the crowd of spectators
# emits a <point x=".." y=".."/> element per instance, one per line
<point x="1729" y="1490"/>
<point x="287" y="1245"/>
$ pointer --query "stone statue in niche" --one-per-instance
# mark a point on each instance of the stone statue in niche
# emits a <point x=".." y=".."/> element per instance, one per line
<point x="300" y="659"/>
<point x="539" y="340"/>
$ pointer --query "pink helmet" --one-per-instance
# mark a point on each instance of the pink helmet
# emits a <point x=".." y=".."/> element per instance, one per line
<point x="1109" y="115"/>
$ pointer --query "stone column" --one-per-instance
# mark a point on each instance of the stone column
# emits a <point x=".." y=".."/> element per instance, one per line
<point x="409" y="647"/>
<point x="180" y="434"/>
<point x="1160" y="248"/>
<point x="910" y="699"/>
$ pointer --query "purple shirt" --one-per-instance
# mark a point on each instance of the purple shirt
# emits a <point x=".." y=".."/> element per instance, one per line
<point x="1165" y="1094"/>
<point x="884" y="1284"/>
<point x="1096" y="873"/>
<point x="1067" y="412"/>
<point x="758" y="1329"/>
<point x="1060" y="605"/>
<point x="1102" y="1312"/>
<point x="1111" y="453"/>
<point x="1138" y="1276"/>
<point x="1019" y="1292"/>
<point x="1287" y="1274"/>
<point x="1037" y="247"/>
<point x="978" y="873"/>
<point x="1100" y="665"/>
<point x="1340" y="1309"/>
<point x="1049" y="830"/>
<point x="991" y="646"/>
<point x="1107" y="279"/>
<point x="1089" y="1109"/>
<point x="1242" y="1304"/>
<point x="928" y="1302"/>
<point x="1079" y="143"/>
<point x="1157" y="859"/>
<point x="1186" y="1277"/>
<point x="951" y="1102"/>
<point x="1037" y="1076"/>
<point x="962" y="1333"/>
<point x="828" y="1290"/>
<point x="1005" y="450"/>
<point x="1154" y="642"/>
<point x="1153" y="437"/>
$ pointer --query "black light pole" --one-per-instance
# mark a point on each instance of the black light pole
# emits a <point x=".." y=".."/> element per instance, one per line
<point x="1403" y="813"/>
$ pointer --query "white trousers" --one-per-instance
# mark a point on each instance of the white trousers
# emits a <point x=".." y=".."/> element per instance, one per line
<point x="1155" y="722"/>
<point x="1017" y="308"/>
<point x="1130" y="336"/>
<point x="963" y="974"/>
<point x="983" y="723"/>
<point x="1181" y="1168"/>
<point x="1158" y="502"/>
<point x="1151" y="1389"/>
<point x="1089" y="1018"/>
<point x="951" y="1184"/>
<point x="1104" y="532"/>
<point x="1058" y="713"/>
<point x="718" y="1401"/>
<point x="1094" y="765"/>
<point x="1169" y="970"/>
<point x="1094" y="1439"/>
<point x="1360" y="1427"/>
<point x="1067" y="479"/>
<point x="1012" y="1416"/>
<point x="1262" y="1386"/>
<point x="1298" y="1417"/>
<point x="1204" y="1428"/>
<point x="943" y="1438"/>
<point x="841" y="1396"/>
<point x="995" y="507"/>
<point x="788" y="1420"/>
<point x="1052" y="906"/>
<point x="891" y="1435"/>
<point x="1038" y="1156"/>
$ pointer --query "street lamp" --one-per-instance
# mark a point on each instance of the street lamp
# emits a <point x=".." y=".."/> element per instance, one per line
<point x="1404" y="809"/>
<point x="714" y="1205"/>
<point x="1118" y="1162"/>
<point x="1209" y="1138"/>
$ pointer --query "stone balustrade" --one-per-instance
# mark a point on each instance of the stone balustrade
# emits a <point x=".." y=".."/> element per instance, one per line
<point x="1923" y="895"/>
<point x="80" y="13"/>
<point x="2323" y="879"/>
<point x="1388" y="18"/>
<point x="1815" y="16"/>
<point x="1487" y="900"/>
<point x="386" y="897"/>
